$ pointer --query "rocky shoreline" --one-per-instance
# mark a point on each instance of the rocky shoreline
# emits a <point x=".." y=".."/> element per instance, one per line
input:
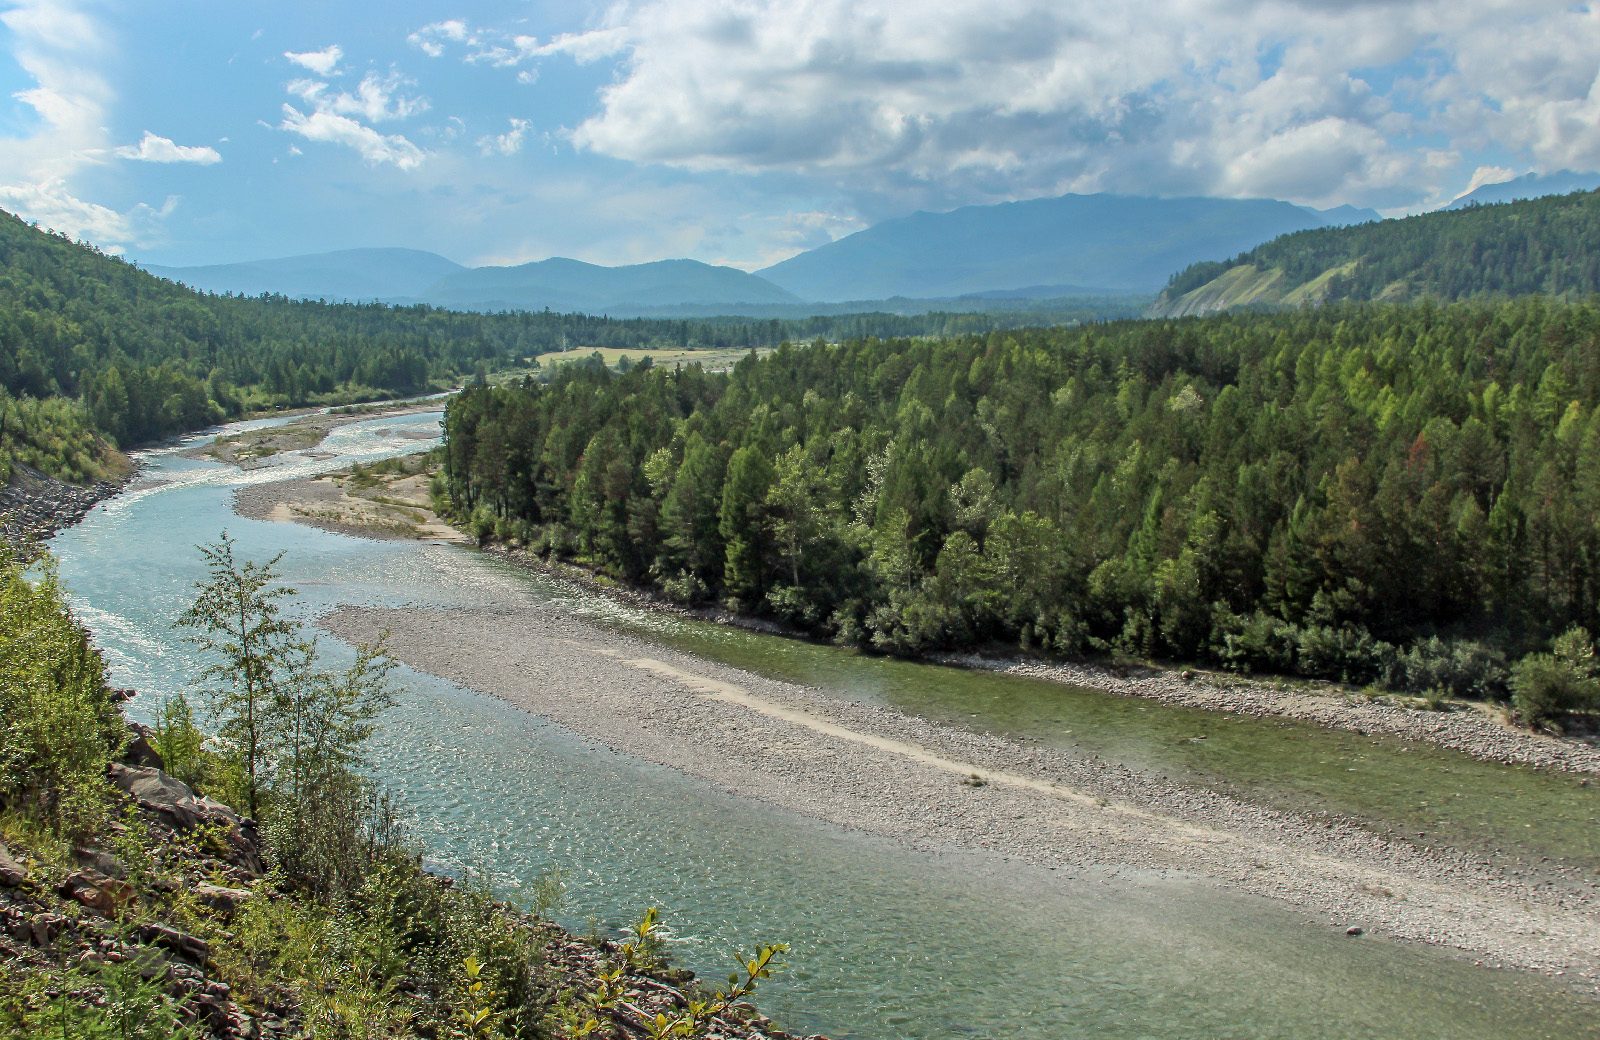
<point x="35" y="507"/>
<point x="943" y="788"/>
<point x="94" y="911"/>
<point x="1473" y="729"/>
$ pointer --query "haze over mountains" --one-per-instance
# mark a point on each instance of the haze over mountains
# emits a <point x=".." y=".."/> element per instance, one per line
<point x="1529" y="186"/>
<point x="1058" y="246"/>
<point x="1071" y="245"/>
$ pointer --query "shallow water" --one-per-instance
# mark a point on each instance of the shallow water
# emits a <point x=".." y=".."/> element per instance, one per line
<point x="888" y="943"/>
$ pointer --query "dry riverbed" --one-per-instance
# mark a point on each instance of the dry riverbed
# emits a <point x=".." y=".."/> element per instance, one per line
<point x="942" y="788"/>
<point x="385" y="506"/>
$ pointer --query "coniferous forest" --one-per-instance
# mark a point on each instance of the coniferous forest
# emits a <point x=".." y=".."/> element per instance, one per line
<point x="1549" y="245"/>
<point x="1359" y="492"/>
<point x="143" y="357"/>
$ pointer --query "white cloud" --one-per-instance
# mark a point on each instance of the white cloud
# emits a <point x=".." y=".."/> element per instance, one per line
<point x="1486" y="175"/>
<point x="585" y="48"/>
<point x="965" y="100"/>
<point x="331" y="128"/>
<point x="508" y="143"/>
<point x="62" y="49"/>
<point x="161" y="150"/>
<point x="376" y="100"/>
<point x="323" y="62"/>
<point x="53" y="206"/>
<point x="430" y="39"/>
<point x="335" y="117"/>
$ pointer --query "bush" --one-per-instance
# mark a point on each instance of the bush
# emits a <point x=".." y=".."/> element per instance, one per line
<point x="1461" y="669"/>
<point x="1547" y="687"/>
<point x="61" y="726"/>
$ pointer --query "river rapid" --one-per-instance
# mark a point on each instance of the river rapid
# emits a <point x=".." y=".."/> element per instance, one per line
<point x="888" y="942"/>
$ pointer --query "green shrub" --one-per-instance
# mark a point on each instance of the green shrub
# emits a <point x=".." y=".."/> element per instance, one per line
<point x="59" y="727"/>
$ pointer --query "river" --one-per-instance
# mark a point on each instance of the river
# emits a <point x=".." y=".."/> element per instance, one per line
<point x="888" y="942"/>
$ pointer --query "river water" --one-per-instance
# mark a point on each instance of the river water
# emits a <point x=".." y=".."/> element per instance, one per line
<point x="888" y="943"/>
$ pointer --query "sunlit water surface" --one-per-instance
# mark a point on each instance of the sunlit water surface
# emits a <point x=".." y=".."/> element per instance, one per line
<point x="888" y="943"/>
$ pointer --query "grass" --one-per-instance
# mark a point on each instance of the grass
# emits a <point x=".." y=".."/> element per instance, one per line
<point x="612" y="356"/>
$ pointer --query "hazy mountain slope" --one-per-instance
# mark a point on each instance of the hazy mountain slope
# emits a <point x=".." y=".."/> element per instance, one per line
<point x="1529" y="186"/>
<point x="348" y="274"/>
<point x="562" y="285"/>
<point x="1111" y="243"/>
<point x="1546" y="245"/>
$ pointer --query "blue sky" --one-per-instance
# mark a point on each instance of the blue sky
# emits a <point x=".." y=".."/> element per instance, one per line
<point x="741" y="131"/>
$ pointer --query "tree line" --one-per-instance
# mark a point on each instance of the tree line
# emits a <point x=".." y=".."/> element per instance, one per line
<point x="1369" y="493"/>
<point x="147" y="357"/>
<point x="1549" y="245"/>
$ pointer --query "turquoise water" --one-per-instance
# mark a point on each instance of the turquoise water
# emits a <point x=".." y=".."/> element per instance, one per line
<point x="888" y="942"/>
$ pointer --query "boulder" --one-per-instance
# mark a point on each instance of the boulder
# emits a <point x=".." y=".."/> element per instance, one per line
<point x="190" y="948"/>
<point x="94" y="890"/>
<point x="176" y="804"/>
<point x="12" y="873"/>
<point x="141" y="749"/>
<point x="218" y="897"/>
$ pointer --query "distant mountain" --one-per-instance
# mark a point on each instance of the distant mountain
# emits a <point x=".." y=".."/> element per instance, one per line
<point x="348" y="274"/>
<point x="1529" y="186"/>
<point x="572" y="285"/>
<point x="1342" y="216"/>
<point x="1090" y="243"/>
<point x="1545" y="245"/>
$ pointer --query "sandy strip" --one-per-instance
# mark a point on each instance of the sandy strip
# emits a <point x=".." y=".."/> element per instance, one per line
<point x="874" y="769"/>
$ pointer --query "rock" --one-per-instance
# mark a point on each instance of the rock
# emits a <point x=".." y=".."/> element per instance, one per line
<point x="219" y="898"/>
<point x="192" y="949"/>
<point x="140" y="751"/>
<point x="47" y="928"/>
<point x="1353" y="930"/>
<point x="97" y="859"/>
<point x="94" y="890"/>
<point x="181" y="809"/>
<point x="12" y="874"/>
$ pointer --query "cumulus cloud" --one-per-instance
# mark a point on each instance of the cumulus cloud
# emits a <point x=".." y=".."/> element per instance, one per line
<point x="430" y="39"/>
<point x="376" y="100"/>
<point x="53" y="206"/>
<point x="336" y="117"/>
<point x="61" y="49"/>
<point x="1010" y="98"/>
<point x="161" y="150"/>
<point x="508" y="143"/>
<point x="330" y="128"/>
<point x="323" y="62"/>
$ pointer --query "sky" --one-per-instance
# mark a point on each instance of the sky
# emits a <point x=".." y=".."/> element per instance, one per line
<point x="743" y="131"/>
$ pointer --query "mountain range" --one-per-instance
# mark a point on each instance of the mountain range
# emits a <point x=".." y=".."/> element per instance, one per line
<point x="1529" y="186"/>
<point x="1074" y="245"/>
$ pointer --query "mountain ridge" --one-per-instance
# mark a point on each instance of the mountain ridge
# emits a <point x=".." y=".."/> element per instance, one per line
<point x="1116" y="243"/>
<point x="1548" y="245"/>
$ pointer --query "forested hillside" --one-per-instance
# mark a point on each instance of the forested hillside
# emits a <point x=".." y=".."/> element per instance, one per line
<point x="143" y="357"/>
<point x="1320" y="492"/>
<point x="1548" y="245"/>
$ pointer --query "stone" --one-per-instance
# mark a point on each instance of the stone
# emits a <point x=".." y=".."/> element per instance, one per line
<point x="98" y="859"/>
<point x="194" y="950"/>
<point x="12" y="873"/>
<point x="141" y="750"/>
<point x="94" y="890"/>
<point x="218" y="897"/>
<point x="1353" y="930"/>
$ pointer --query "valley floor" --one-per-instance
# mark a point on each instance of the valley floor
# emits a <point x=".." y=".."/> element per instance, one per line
<point x="942" y="788"/>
